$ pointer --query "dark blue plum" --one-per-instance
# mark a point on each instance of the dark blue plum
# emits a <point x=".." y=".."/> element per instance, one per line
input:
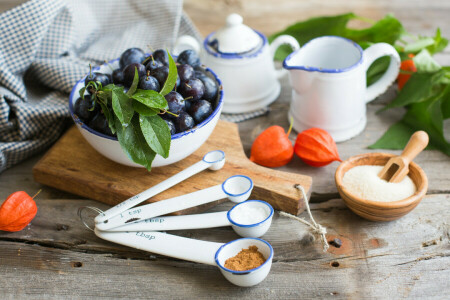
<point x="161" y="74"/>
<point x="149" y="83"/>
<point x="131" y="56"/>
<point x="185" y="72"/>
<point x="211" y="88"/>
<point x="192" y="89"/>
<point x="82" y="108"/>
<point x="117" y="76"/>
<point x="200" y="110"/>
<point x="100" y="124"/>
<point x="128" y="73"/>
<point x="153" y="64"/>
<point x="171" y="126"/>
<point x="183" y="122"/>
<point x="176" y="103"/>
<point x="177" y="84"/>
<point x="161" y="56"/>
<point x="189" y="57"/>
<point x="97" y="78"/>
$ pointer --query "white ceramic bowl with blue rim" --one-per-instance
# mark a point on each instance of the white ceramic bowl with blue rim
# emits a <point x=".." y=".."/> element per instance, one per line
<point x="182" y="145"/>
<point x="245" y="278"/>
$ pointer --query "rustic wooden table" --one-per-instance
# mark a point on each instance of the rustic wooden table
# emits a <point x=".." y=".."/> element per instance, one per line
<point x="57" y="257"/>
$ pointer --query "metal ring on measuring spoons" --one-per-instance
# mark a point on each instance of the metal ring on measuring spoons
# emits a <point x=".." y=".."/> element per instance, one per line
<point x="80" y="210"/>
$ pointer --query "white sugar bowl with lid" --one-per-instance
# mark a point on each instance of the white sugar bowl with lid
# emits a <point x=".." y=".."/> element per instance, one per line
<point x="243" y="60"/>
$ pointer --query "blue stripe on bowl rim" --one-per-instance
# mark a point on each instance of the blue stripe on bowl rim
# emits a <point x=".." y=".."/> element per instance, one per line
<point x="250" y="225"/>
<point x="174" y="137"/>
<point x="216" y="258"/>
<point x="250" y="54"/>
<point x="325" y="70"/>
<point x="237" y="195"/>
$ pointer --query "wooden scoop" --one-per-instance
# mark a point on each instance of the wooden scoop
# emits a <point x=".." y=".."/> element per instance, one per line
<point x="398" y="167"/>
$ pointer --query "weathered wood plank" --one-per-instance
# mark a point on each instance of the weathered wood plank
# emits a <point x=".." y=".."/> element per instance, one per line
<point x="407" y="257"/>
<point x="53" y="273"/>
<point x="422" y="225"/>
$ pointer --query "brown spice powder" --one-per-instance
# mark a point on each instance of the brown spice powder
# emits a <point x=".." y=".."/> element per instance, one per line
<point x="246" y="259"/>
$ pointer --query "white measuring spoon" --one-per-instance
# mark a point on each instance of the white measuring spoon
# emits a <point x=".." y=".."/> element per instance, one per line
<point x="214" y="160"/>
<point x="204" y="252"/>
<point x="254" y="229"/>
<point x="237" y="188"/>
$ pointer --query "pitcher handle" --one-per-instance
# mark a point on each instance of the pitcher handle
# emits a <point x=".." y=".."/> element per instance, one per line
<point x="283" y="40"/>
<point x="370" y="55"/>
<point x="185" y="42"/>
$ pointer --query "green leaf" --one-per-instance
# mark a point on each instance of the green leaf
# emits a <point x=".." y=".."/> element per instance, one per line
<point x="312" y="28"/>
<point x="419" y="45"/>
<point x="418" y="88"/>
<point x="109" y="117"/>
<point x="439" y="43"/>
<point x="387" y="30"/>
<point x="134" y="84"/>
<point x="81" y="92"/>
<point x="171" y="80"/>
<point x="109" y="87"/>
<point x="425" y="63"/>
<point x="122" y="106"/>
<point x="394" y="138"/>
<point x="425" y="116"/>
<point x="445" y="106"/>
<point x="150" y="98"/>
<point x="157" y="134"/>
<point x="134" y="144"/>
<point x="144" y="110"/>
<point x="377" y="69"/>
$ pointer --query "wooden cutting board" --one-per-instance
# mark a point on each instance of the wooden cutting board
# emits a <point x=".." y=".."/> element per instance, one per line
<point x="72" y="165"/>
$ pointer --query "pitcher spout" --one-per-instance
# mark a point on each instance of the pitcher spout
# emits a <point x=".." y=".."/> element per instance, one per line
<point x="326" y="54"/>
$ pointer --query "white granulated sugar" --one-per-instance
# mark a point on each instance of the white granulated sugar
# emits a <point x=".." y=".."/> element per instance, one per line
<point x="363" y="182"/>
<point x="245" y="214"/>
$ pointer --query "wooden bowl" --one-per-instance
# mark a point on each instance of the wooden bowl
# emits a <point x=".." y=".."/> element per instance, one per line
<point x="375" y="210"/>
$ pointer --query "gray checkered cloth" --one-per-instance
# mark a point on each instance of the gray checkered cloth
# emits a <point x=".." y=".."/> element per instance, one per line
<point x="47" y="45"/>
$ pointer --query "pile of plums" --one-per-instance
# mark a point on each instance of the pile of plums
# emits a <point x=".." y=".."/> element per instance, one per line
<point x="190" y="103"/>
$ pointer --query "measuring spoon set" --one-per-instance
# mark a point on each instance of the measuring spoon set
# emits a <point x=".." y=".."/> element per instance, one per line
<point x="139" y="227"/>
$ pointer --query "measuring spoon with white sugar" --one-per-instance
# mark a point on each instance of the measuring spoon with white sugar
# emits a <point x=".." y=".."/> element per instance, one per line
<point x="236" y="188"/>
<point x="213" y="160"/>
<point x="204" y="252"/>
<point x="251" y="218"/>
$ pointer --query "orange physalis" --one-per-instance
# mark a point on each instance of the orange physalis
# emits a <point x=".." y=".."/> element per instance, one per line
<point x="272" y="148"/>
<point x="316" y="147"/>
<point x="17" y="211"/>
<point x="407" y="66"/>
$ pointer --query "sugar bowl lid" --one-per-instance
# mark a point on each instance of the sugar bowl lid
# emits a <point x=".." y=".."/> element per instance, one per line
<point x="235" y="37"/>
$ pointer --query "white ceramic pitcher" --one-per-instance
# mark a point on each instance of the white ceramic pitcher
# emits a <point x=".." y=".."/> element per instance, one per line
<point x="328" y="77"/>
<point x="243" y="60"/>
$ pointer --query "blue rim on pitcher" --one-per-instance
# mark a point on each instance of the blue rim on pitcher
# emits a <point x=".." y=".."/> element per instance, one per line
<point x="325" y="70"/>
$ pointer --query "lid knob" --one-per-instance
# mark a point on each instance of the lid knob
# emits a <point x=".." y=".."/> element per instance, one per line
<point x="235" y="37"/>
<point x="234" y="19"/>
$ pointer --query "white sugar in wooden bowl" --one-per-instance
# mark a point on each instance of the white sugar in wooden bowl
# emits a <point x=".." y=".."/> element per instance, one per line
<point x="380" y="210"/>
<point x="363" y="182"/>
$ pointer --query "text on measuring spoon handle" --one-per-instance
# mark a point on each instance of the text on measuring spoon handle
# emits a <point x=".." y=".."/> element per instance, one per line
<point x="160" y="187"/>
<point x="165" y="207"/>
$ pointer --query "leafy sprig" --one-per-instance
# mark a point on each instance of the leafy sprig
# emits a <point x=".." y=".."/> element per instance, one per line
<point x="134" y="116"/>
